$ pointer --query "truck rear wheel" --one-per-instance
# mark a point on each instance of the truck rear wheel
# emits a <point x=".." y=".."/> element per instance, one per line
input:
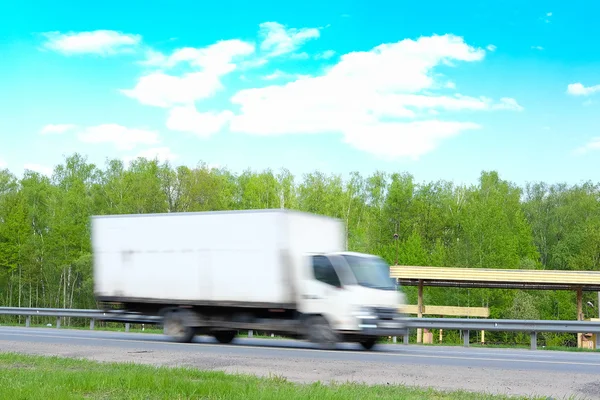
<point x="224" y="337"/>
<point x="174" y="325"/>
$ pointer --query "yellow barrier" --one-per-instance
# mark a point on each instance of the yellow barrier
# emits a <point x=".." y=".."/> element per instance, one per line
<point x="455" y="311"/>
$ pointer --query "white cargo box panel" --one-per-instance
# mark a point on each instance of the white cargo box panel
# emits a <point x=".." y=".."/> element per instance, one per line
<point x="231" y="256"/>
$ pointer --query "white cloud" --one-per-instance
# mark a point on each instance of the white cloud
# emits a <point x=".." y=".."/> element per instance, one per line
<point x="102" y="42"/>
<point x="254" y="63"/>
<point x="162" y="154"/>
<point x="41" y="169"/>
<point x="593" y="144"/>
<point x="154" y="58"/>
<point x="537" y="48"/>
<point x="400" y="139"/>
<point x="366" y="95"/>
<point x="57" y="128"/>
<point x="491" y="47"/>
<point x="327" y="54"/>
<point x="278" y="40"/>
<point x="507" y="103"/>
<point x="162" y="90"/>
<point x="277" y="74"/>
<point x="548" y="14"/>
<point x="577" y="89"/>
<point x="205" y="124"/>
<point x="210" y="63"/>
<point x="121" y="137"/>
<point x="300" y="56"/>
<point x="215" y="58"/>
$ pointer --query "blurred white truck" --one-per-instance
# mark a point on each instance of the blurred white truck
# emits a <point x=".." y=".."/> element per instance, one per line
<point x="216" y="273"/>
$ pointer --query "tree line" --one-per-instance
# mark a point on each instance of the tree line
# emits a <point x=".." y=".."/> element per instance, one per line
<point x="45" y="249"/>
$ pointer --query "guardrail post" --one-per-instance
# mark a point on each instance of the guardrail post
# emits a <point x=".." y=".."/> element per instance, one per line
<point x="406" y="338"/>
<point x="250" y="333"/>
<point x="57" y="322"/>
<point x="394" y="339"/>
<point x="92" y="322"/>
<point x="27" y="321"/>
<point x="127" y="327"/>
<point x="466" y="338"/>
<point x="533" y="340"/>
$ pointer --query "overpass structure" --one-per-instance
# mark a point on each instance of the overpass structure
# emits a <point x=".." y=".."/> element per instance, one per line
<point x="420" y="276"/>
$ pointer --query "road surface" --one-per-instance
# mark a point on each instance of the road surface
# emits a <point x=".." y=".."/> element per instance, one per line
<point x="520" y="372"/>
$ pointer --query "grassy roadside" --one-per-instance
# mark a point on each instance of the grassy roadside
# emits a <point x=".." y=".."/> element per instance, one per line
<point x="37" y="377"/>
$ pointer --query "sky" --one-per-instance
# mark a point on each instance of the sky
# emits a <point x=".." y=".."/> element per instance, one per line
<point x="441" y="90"/>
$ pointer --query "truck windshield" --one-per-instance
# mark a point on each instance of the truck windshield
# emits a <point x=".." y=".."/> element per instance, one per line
<point x="371" y="272"/>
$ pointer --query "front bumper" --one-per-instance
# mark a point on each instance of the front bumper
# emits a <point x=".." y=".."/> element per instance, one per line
<point x="382" y="322"/>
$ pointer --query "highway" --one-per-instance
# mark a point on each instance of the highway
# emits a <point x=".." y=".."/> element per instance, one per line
<point x="523" y="372"/>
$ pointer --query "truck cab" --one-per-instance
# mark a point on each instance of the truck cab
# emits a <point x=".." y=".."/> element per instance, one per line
<point x="352" y="298"/>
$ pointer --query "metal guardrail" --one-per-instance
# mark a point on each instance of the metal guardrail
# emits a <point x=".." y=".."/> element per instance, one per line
<point x="465" y="325"/>
<point x="533" y="327"/>
<point x="92" y="315"/>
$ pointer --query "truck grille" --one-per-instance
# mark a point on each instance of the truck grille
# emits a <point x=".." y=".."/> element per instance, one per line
<point x="384" y="313"/>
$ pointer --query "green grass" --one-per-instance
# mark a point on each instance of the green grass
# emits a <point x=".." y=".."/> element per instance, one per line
<point x="36" y="377"/>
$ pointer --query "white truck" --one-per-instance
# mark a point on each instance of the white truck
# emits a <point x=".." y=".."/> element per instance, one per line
<point x="217" y="273"/>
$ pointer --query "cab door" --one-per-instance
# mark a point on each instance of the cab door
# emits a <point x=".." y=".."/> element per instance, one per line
<point x="324" y="293"/>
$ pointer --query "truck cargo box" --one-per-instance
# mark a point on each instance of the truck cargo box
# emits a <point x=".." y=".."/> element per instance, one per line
<point x="240" y="257"/>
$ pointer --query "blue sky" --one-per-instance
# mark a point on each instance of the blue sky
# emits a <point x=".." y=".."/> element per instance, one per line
<point x="440" y="90"/>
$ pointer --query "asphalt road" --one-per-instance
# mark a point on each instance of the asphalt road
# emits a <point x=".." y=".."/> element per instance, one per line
<point x="566" y="362"/>
<point x="507" y="371"/>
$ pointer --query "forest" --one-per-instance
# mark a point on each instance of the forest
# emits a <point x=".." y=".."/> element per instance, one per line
<point x="45" y="249"/>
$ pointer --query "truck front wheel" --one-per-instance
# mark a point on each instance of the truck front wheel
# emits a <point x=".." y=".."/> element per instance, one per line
<point x="320" y="333"/>
<point x="224" y="337"/>
<point x="369" y="343"/>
